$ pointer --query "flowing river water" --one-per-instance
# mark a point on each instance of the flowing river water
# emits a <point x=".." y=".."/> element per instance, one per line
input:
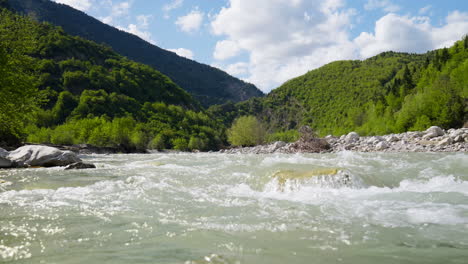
<point x="219" y="208"/>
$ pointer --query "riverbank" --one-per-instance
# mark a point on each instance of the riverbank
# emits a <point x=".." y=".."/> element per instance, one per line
<point x="433" y="139"/>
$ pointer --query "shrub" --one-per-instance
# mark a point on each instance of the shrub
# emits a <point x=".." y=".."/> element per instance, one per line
<point x="246" y="131"/>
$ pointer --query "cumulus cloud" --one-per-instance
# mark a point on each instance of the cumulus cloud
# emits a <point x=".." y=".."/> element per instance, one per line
<point x="385" y="5"/>
<point x="191" y="22"/>
<point x="287" y="38"/>
<point x="83" y="5"/>
<point x="140" y="31"/>
<point x="425" y="10"/>
<point x="411" y="34"/>
<point x="226" y="49"/>
<point x="183" y="53"/>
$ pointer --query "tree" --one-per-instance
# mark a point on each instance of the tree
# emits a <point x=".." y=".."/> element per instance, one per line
<point x="246" y="131"/>
<point x="18" y="95"/>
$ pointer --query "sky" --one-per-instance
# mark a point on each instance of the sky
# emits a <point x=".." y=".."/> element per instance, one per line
<point x="267" y="42"/>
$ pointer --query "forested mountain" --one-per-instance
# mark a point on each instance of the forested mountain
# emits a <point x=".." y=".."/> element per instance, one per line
<point x="63" y="89"/>
<point x="209" y="85"/>
<point x="391" y="92"/>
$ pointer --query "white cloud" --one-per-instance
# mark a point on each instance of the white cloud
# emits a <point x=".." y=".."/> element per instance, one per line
<point x="83" y="5"/>
<point x="116" y="11"/>
<point x="385" y="5"/>
<point x="183" y="53"/>
<point x="239" y="68"/>
<point x="226" y="49"/>
<point x="171" y="6"/>
<point x="139" y="31"/>
<point x="191" y="22"/>
<point x="425" y="10"/>
<point x="287" y="38"/>
<point x="411" y="34"/>
<point x="281" y="40"/>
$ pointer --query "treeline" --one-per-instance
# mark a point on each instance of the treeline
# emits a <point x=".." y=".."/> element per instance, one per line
<point x="389" y="93"/>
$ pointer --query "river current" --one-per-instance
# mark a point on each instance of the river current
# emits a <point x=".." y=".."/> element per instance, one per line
<point x="219" y="208"/>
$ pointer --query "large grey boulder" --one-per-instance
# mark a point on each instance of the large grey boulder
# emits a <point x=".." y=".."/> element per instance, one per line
<point x="42" y="156"/>
<point x="433" y="131"/>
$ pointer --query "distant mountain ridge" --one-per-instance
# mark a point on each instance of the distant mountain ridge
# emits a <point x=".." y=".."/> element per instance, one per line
<point x="207" y="84"/>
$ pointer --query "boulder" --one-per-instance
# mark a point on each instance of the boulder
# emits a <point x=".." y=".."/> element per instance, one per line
<point x="3" y="153"/>
<point x="80" y="166"/>
<point x="5" y="163"/>
<point x="42" y="156"/>
<point x="392" y="138"/>
<point x="433" y="131"/>
<point x="275" y="146"/>
<point x="382" y="145"/>
<point x="352" y="137"/>
<point x="445" y="142"/>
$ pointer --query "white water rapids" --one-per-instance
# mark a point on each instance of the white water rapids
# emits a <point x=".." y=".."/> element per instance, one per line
<point x="220" y="208"/>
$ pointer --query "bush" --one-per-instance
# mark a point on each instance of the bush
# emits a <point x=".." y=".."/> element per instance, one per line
<point x="246" y="131"/>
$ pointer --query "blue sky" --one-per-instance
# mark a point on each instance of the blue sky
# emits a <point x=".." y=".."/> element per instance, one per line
<point x="267" y="42"/>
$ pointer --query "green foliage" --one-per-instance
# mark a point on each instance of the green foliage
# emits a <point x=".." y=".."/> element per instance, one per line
<point x="246" y="131"/>
<point x="286" y="136"/>
<point x="18" y="95"/>
<point x="391" y="92"/>
<point x="207" y="84"/>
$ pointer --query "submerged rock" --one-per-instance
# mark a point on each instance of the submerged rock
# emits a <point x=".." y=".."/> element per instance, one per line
<point x="80" y="166"/>
<point x="42" y="156"/>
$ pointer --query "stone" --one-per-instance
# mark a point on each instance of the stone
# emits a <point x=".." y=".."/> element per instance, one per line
<point x="392" y="138"/>
<point x="80" y="166"/>
<point x="382" y="145"/>
<point x="434" y="131"/>
<point x="5" y="163"/>
<point x="42" y="156"/>
<point x="445" y="142"/>
<point x="3" y="153"/>
<point x="458" y="139"/>
<point x="352" y="137"/>
<point x="275" y="146"/>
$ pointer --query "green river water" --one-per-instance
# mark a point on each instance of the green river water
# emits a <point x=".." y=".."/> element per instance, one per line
<point x="218" y="208"/>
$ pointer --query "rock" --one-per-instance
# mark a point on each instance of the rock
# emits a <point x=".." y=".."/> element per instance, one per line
<point x="5" y="163"/>
<point x="433" y="131"/>
<point x="352" y="137"/>
<point x="80" y="166"/>
<point x="458" y="139"/>
<point x="392" y="138"/>
<point x="445" y="142"/>
<point x="275" y="146"/>
<point x="42" y="156"/>
<point x="3" y="153"/>
<point x="382" y="145"/>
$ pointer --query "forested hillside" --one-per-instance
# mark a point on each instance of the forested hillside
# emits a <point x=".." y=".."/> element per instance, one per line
<point x="209" y="85"/>
<point x="391" y="92"/>
<point x="62" y="89"/>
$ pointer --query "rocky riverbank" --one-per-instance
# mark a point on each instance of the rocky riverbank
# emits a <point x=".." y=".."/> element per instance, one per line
<point x="433" y="139"/>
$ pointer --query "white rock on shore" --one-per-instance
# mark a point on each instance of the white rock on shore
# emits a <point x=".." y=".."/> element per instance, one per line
<point x="42" y="156"/>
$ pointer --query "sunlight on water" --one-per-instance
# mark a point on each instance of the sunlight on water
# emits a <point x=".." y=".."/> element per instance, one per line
<point x="214" y="208"/>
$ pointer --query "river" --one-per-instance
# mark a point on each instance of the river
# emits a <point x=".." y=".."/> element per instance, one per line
<point x="219" y="208"/>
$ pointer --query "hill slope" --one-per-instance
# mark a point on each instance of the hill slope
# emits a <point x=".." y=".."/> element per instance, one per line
<point x="208" y="84"/>
<point x="56" y="88"/>
<point x="391" y="92"/>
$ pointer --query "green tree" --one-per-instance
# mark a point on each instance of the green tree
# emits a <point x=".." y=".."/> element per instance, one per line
<point x="246" y="131"/>
<point x="18" y="95"/>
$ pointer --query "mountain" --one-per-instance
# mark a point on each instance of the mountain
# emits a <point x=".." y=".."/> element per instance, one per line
<point x="391" y="92"/>
<point x="62" y="89"/>
<point x="208" y="84"/>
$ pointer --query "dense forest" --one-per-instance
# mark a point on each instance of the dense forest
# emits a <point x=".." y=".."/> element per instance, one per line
<point x="56" y="88"/>
<point x="207" y="84"/>
<point x="389" y="93"/>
